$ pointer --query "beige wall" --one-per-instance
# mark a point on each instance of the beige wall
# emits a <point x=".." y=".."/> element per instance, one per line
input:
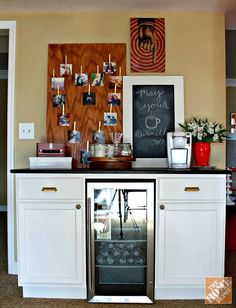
<point x="194" y="48"/>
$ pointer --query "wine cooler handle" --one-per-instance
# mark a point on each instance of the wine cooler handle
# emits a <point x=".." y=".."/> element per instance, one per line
<point x="91" y="268"/>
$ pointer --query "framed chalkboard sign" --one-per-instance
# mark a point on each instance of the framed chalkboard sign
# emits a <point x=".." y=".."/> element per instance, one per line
<point x="153" y="106"/>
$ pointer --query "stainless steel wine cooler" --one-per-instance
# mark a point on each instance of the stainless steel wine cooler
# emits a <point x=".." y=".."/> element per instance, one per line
<point x="120" y="233"/>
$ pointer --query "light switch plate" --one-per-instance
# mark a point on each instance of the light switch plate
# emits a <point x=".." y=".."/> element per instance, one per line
<point x="26" y="130"/>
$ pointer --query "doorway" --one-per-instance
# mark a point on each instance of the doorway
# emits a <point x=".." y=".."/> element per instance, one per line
<point x="10" y="29"/>
<point x="4" y="35"/>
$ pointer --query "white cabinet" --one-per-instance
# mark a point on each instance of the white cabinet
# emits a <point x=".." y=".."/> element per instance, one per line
<point x="51" y="235"/>
<point x="190" y="224"/>
<point x="189" y="233"/>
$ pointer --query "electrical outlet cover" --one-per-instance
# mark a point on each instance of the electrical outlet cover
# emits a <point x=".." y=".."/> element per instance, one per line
<point x="26" y="130"/>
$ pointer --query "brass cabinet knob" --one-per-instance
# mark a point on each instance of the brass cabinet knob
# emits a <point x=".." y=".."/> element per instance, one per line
<point x="162" y="207"/>
<point x="78" y="206"/>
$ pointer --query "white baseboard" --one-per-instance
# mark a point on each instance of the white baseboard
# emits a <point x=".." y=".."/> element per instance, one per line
<point x="3" y="208"/>
<point x="14" y="269"/>
<point x="55" y="291"/>
<point x="179" y="293"/>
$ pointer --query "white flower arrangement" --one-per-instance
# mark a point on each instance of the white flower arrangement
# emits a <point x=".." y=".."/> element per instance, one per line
<point x="204" y="130"/>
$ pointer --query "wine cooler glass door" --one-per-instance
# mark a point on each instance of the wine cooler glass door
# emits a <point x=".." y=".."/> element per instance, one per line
<point x="120" y="233"/>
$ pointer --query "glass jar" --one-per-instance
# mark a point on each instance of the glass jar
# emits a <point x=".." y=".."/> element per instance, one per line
<point x="124" y="149"/>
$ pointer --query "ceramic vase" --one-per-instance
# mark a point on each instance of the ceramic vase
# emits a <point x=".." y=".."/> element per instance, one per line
<point x="201" y="152"/>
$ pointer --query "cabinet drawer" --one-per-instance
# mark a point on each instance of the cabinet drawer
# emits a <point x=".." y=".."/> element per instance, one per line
<point x="49" y="188"/>
<point x="192" y="189"/>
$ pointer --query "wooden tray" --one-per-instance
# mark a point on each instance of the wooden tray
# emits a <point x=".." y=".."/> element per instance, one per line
<point x="121" y="162"/>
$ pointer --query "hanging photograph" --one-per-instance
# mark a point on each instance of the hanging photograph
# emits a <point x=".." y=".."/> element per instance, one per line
<point x="99" y="137"/>
<point x="115" y="80"/>
<point x="147" y="44"/>
<point x="97" y="79"/>
<point x="84" y="157"/>
<point x="89" y="98"/>
<point x="63" y="119"/>
<point x="110" y="118"/>
<point x="73" y="136"/>
<point x="59" y="100"/>
<point x="114" y="98"/>
<point x="58" y="82"/>
<point x="81" y="79"/>
<point x="65" y="70"/>
<point x="109" y="68"/>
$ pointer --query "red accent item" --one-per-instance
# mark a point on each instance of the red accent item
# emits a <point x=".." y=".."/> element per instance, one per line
<point x="147" y="37"/>
<point x="201" y="152"/>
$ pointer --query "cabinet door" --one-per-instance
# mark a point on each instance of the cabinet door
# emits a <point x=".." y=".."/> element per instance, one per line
<point x="51" y="242"/>
<point x="190" y="243"/>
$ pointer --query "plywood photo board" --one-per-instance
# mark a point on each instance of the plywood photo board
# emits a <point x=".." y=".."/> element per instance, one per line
<point x="76" y="90"/>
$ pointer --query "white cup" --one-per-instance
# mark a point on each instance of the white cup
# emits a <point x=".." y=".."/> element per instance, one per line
<point x="99" y="150"/>
<point x="92" y="150"/>
<point x="110" y="150"/>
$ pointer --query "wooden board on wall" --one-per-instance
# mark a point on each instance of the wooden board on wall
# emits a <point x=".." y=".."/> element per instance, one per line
<point x="87" y="117"/>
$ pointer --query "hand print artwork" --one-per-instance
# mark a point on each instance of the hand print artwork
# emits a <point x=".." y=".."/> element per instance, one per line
<point x="147" y="44"/>
<point x="147" y="38"/>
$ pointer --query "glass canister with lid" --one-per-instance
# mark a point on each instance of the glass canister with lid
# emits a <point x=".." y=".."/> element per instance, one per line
<point x="124" y="149"/>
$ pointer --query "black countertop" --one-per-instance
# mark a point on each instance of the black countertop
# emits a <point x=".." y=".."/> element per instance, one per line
<point x="203" y="170"/>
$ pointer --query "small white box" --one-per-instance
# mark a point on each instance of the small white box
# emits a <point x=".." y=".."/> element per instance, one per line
<point x="50" y="162"/>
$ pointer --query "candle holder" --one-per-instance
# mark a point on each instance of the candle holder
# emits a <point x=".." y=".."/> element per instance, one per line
<point x="116" y="138"/>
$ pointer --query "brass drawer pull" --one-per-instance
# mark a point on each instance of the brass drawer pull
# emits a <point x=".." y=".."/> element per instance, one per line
<point x="192" y="188"/>
<point x="78" y="206"/>
<point x="49" y="188"/>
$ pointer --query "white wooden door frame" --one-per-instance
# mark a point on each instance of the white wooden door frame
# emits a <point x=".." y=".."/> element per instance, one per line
<point x="11" y="26"/>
